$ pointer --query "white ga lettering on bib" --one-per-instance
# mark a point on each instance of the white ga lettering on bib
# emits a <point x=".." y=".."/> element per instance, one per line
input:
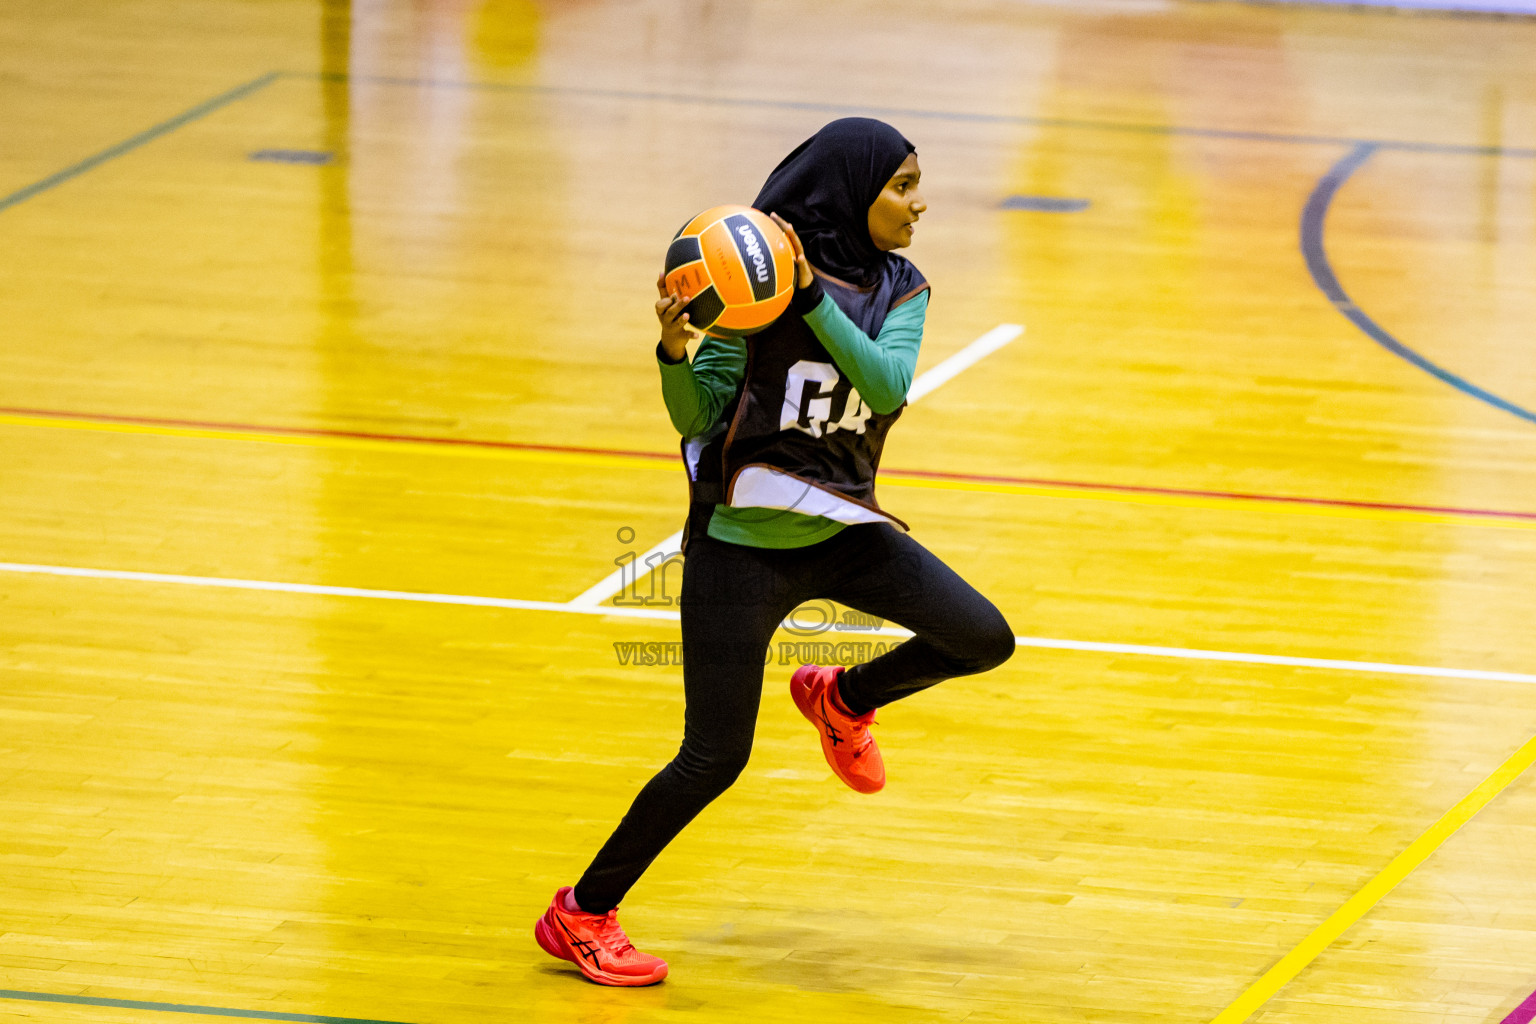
<point x="808" y="401"/>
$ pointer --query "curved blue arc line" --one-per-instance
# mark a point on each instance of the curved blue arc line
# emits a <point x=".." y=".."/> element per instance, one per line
<point x="1313" y="220"/>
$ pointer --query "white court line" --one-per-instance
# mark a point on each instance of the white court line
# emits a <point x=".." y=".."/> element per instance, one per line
<point x="614" y="582"/>
<point x="312" y="588"/>
<point x="969" y="356"/>
<point x="1195" y="654"/>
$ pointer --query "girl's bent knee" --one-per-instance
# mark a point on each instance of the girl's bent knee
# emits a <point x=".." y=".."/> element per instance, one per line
<point x="994" y="645"/>
<point x="712" y="773"/>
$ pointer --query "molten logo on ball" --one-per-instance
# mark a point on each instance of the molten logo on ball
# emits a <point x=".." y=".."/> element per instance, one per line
<point x="755" y="252"/>
<point x="737" y="266"/>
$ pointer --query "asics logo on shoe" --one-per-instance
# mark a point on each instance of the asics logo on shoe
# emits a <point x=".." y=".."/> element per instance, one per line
<point x="832" y="733"/>
<point x="588" y="950"/>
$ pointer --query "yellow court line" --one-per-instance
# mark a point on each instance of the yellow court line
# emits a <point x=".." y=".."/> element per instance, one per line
<point x="1377" y="888"/>
<point x="603" y="460"/>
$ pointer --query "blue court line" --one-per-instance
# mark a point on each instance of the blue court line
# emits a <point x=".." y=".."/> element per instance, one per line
<point x="315" y="157"/>
<point x="207" y="1011"/>
<point x="919" y="113"/>
<point x="242" y="91"/>
<point x="1314" y="219"/>
<point x="149" y="135"/>
<point x="1044" y="204"/>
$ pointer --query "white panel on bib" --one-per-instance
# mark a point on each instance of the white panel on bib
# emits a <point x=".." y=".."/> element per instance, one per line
<point x="761" y="487"/>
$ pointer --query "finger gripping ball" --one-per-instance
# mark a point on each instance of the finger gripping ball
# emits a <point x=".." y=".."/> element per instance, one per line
<point x="737" y="265"/>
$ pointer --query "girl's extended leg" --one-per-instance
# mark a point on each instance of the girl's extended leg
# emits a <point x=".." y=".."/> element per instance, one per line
<point x="733" y="598"/>
<point x="885" y="573"/>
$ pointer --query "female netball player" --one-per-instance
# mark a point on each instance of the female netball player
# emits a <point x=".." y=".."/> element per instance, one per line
<point x="782" y="436"/>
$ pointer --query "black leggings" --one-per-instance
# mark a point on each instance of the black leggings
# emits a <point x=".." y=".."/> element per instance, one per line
<point x="733" y="599"/>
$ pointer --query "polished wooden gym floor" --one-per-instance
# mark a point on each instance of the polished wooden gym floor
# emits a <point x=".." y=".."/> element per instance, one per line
<point x="307" y="312"/>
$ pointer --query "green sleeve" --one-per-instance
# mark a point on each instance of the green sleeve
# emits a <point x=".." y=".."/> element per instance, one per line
<point x="697" y="392"/>
<point x="881" y="369"/>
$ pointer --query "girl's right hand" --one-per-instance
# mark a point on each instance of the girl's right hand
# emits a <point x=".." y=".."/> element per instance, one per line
<point x="803" y="274"/>
<point x="675" y="334"/>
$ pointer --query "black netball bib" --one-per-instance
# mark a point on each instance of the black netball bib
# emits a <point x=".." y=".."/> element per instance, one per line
<point x="802" y="438"/>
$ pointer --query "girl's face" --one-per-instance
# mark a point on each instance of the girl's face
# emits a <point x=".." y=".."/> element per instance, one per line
<point x="892" y="215"/>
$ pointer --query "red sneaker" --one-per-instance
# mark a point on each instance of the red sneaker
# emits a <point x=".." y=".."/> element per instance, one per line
<point x="596" y="944"/>
<point x="845" y="738"/>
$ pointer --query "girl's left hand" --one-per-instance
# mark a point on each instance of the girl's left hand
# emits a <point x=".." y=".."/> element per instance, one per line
<point x="803" y="275"/>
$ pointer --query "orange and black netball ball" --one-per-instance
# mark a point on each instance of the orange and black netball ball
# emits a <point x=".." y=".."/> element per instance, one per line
<point x="737" y="265"/>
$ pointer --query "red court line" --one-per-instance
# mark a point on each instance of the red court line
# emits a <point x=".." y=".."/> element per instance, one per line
<point x="1233" y="495"/>
<point x="916" y="474"/>
<point x="1523" y="1013"/>
<point x="356" y="435"/>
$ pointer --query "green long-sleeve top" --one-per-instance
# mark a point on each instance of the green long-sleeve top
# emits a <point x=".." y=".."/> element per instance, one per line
<point x="880" y="369"/>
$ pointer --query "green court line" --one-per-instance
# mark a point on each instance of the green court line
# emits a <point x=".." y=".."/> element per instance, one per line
<point x="207" y="1011"/>
<point x="148" y="135"/>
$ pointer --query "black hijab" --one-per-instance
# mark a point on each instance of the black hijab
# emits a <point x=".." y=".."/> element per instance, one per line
<point x="825" y="188"/>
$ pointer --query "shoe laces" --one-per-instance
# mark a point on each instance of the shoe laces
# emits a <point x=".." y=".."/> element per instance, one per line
<point x="611" y="935"/>
<point x="845" y="728"/>
<point x="862" y="740"/>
